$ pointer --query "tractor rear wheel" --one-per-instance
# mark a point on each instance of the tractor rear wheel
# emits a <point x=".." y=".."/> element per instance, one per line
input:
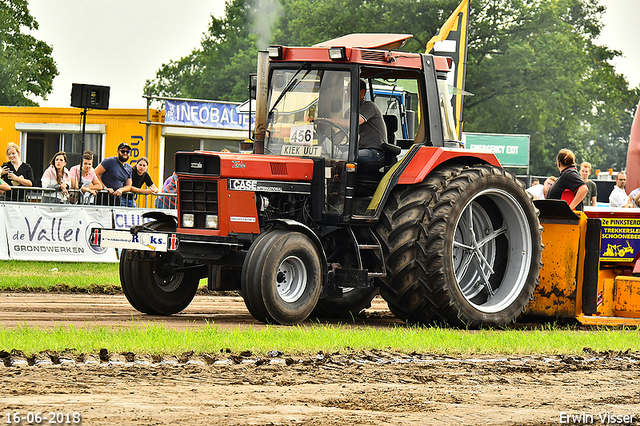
<point x="161" y="282"/>
<point x="476" y="255"/>
<point x="282" y="277"/>
<point x="402" y="231"/>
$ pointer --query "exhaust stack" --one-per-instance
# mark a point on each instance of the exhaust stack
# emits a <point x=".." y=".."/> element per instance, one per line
<point x="261" y="101"/>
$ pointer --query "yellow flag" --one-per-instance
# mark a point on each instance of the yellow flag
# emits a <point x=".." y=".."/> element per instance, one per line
<point x="451" y="41"/>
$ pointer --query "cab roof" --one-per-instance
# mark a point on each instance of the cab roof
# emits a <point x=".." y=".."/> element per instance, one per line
<point x="368" y="41"/>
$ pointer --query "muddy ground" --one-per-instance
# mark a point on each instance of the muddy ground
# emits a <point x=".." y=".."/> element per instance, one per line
<point x="356" y="388"/>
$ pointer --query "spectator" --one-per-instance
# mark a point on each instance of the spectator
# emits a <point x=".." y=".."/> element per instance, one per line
<point x="535" y="181"/>
<point x="84" y="179"/>
<point x="170" y="187"/>
<point x="539" y="192"/>
<point x="618" y="196"/>
<point x="16" y="173"/>
<point x="591" y="199"/>
<point x="114" y="174"/>
<point x="569" y="186"/>
<point x="139" y="177"/>
<point x="56" y="176"/>
<point x="4" y="187"/>
<point x="635" y="198"/>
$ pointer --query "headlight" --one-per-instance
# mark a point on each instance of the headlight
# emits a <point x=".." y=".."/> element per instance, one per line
<point x="275" y="52"/>
<point x="211" y="221"/>
<point x="187" y="220"/>
<point x="337" y="53"/>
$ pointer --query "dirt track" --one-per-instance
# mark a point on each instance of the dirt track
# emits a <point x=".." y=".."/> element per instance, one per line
<point x="52" y="310"/>
<point x="364" y="388"/>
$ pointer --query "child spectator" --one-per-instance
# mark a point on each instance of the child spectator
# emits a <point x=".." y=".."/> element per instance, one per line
<point x="84" y="179"/>
<point x="170" y="187"/>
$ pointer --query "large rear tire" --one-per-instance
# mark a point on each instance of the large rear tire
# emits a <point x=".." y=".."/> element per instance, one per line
<point x="403" y="233"/>
<point x="161" y="282"/>
<point x="282" y="277"/>
<point x="463" y="247"/>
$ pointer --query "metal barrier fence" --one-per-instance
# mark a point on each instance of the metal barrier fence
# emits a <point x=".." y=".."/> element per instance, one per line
<point x="159" y="200"/>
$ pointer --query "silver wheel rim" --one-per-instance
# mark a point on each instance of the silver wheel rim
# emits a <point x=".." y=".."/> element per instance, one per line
<point x="291" y="279"/>
<point x="475" y="251"/>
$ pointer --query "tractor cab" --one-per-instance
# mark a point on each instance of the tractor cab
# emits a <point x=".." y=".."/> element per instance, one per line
<point x="313" y="108"/>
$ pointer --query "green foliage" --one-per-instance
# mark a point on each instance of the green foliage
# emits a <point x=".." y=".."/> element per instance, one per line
<point x="307" y="22"/>
<point x="220" y="68"/>
<point x="534" y="69"/>
<point x="27" y="68"/>
<point x="533" y="65"/>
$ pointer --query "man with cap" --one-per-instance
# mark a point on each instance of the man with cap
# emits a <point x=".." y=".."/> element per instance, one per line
<point x="114" y="174"/>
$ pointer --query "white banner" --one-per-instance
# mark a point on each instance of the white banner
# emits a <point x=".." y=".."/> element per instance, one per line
<point x="4" y="247"/>
<point x="55" y="233"/>
<point x="124" y="218"/>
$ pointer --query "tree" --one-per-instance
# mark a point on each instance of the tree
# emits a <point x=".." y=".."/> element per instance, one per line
<point x="333" y="18"/>
<point x="535" y="69"/>
<point x="27" y="68"/>
<point x="220" y="68"/>
<point x="533" y="65"/>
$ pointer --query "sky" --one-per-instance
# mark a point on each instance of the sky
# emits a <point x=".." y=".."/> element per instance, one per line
<point x="118" y="43"/>
<point x="123" y="43"/>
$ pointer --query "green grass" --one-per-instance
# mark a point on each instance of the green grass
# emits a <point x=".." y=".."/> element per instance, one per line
<point x="157" y="339"/>
<point x="75" y="277"/>
<point x="47" y="276"/>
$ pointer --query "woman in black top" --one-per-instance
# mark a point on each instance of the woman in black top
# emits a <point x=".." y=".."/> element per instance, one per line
<point x="138" y="178"/>
<point x="569" y="186"/>
<point x="15" y="172"/>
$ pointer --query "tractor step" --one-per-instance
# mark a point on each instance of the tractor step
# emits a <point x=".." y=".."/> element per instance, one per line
<point x="368" y="251"/>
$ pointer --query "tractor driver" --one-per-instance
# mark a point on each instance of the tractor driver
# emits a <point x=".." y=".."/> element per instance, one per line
<point x="373" y="133"/>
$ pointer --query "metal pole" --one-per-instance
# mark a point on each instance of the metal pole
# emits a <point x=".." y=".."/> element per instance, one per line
<point x="84" y="125"/>
<point x="146" y="138"/>
<point x="148" y="106"/>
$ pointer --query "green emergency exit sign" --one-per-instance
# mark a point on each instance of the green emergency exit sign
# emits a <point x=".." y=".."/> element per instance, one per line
<point x="511" y="150"/>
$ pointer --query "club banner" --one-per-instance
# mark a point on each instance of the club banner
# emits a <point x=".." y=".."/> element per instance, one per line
<point x="620" y="239"/>
<point x="206" y="114"/>
<point x="126" y="218"/>
<point x="4" y="247"/>
<point x="55" y="233"/>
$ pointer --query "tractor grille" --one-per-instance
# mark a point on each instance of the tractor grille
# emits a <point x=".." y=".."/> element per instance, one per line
<point x="197" y="164"/>
<point x="200" y="198"/>
<point x="374" y="55"/>
<point x="279" y="169"/>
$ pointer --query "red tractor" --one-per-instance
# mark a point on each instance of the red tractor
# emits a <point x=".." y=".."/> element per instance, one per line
<point x="300" y="228"/>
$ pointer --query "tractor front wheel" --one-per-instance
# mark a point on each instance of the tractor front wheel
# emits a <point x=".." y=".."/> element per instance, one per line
<point x="158" y="283"/>
<point x="282" y="277"/>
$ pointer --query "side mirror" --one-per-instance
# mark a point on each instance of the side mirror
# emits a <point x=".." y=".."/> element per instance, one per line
<point x="253" y="86"/>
